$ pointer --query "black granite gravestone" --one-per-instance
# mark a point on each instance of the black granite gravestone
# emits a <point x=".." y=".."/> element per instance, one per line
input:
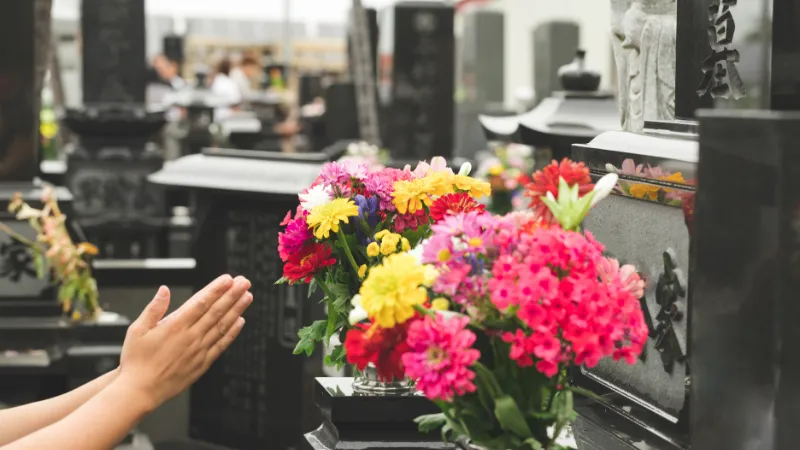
<point x="18" y="121"/>
<point x="744" y="348"/>
<point x="723" y="54"/>
<point x="258" y="395"/>
<point x="113" y="38"/>
<point x="417" y="80"/>
<point x="107" y="169"/>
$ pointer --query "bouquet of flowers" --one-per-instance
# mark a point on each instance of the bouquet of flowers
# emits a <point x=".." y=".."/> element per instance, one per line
<point x="56" y="256"/>
<point x="507" y="172"/>
<point x="350" y="219"/>
<point x="488" y="314"/>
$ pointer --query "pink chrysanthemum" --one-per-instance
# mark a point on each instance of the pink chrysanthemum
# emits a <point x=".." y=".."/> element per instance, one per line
<point x="296" y="235"/>
<point x="381" y="184"/>
<point x="441" y="356"/>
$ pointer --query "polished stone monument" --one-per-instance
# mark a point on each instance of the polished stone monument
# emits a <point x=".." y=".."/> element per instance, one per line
<point x="744" y="349"/>
<point x="108" y="166"/>
<point x="416" y="80"/>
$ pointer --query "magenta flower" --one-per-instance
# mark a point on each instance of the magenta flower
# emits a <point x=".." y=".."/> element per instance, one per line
<point x="296" y="235"/>
<point x="381" y="185"/>
<point x="441" y="356"/>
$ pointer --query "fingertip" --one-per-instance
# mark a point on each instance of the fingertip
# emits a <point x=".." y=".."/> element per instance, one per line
<point x="163" y="292"/>
<point x="225" y="280"/>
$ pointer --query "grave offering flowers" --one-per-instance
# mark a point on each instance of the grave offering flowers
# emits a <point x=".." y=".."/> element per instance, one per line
<point x="507" y="171"/>
<point x="488" y="314"/>
<point x="55" y="256"/>
<point x="647" y="191"/>
<point x="353" y="218"/>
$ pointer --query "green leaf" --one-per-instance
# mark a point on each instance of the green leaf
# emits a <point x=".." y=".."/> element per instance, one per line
<point x="282" y="280"/>
<point x="430" y="422"/>
<point x="39" y="262"/>
<point x="336" y="358"/>
<point x="309" y="336"/>
<point x="533" y="444"/>
<point x="510" y="417"/>
<point x="312" y="287"/>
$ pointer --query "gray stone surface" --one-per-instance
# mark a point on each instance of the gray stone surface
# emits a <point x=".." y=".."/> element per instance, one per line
<point x="554" y="45"/>
<point x="638" y="232"/>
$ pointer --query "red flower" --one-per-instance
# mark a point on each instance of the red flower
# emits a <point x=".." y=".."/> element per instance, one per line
<point x="383" y="347"/>
<point x="547" y="179"/>
<point x="303" y="265"/>
<point x="452" y="204"/>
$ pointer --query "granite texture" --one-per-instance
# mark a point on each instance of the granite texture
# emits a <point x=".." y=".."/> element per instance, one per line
<point x="638" y="232"/>
<point x="745" y="347"/>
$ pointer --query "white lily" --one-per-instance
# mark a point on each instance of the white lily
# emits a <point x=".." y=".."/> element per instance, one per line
<point x="358" y="313"/>
<point x="604" y="187"/>
<point x="466" y="168"/>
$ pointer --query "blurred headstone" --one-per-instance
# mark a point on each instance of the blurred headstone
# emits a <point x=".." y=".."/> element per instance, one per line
<point x="554" y="45"/>
<point x="417" y="80"/>
<point x="114" y="58"/>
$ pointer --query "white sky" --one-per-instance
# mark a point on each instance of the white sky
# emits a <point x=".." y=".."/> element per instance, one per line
<point x="301" y="10"/>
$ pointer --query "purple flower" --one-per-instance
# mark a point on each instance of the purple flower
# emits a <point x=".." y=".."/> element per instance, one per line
<point x="368" y="211"/>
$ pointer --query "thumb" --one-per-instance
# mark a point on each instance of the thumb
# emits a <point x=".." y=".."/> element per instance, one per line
<point x="154" y="311"/>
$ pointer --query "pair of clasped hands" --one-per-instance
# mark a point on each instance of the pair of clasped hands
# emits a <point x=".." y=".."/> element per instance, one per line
<point x="161" y="357"/>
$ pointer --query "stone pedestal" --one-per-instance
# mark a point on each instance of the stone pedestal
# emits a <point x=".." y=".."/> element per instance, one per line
<point x="258" y="395"/>
<point x="115" y="206"/>
<point x="352" y="420"/>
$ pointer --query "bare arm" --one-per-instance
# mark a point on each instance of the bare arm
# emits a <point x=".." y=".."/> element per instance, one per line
<point x="110" y="414"/>
<point x="23" y="420"/>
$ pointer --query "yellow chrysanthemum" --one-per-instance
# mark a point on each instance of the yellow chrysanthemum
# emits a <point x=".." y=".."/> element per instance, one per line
<point x="392" y="289"/>
<point x="475" y="187"/>
<point x="440" y="304"/>
<point x="362" y="271"/>
<point x="380" y="234"/>
<point x="405" y="245"/>
<point x="389" y="243"/>
<point x="410" y="196"/>
<point x="326" y="218"/>
<point x="373" y="249"/>
<point x="440" y="183"/>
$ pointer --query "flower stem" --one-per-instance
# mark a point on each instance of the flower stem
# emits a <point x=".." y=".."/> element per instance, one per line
<point x="324" y="288"/>
<point x="340" y="235"/>
<point x="6" y="229"/>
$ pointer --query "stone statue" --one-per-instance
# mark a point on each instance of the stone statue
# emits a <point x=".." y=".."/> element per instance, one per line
<point x="643" y="37"/>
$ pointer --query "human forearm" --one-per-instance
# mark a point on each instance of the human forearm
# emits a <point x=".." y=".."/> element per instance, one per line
<point x="110" y="414"/>
<point x="24" y="420"/>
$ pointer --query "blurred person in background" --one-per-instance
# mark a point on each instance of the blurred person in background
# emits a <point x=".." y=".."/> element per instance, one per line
<point x="246" y="75"/>
<point x="168" y="72"/>
<point x="226" y="89"/>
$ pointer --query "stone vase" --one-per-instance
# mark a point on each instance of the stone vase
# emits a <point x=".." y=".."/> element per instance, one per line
<point x="367" y="382"/>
